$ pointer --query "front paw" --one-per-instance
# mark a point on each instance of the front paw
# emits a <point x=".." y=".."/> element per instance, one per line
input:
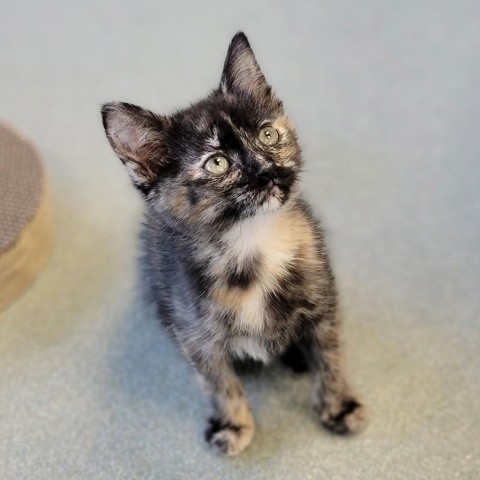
<point x="227" y="437"/>
<point x="343" y="417"/>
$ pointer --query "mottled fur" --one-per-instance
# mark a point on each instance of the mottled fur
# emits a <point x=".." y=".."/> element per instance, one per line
<point x="235" y="263"/>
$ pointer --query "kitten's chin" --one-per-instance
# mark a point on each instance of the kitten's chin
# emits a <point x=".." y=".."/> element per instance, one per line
<point x="273" y="199"/>
<point x="271" y="204"/>
<point x="274" y="202"/>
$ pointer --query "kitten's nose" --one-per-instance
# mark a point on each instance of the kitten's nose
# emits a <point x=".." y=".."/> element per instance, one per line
<point x="265" y="178"/>
<point x="269" y="178"/>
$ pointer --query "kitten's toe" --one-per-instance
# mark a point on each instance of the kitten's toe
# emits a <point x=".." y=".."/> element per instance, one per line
<point x="229" y="438"/>
<point x="346" y="417"/>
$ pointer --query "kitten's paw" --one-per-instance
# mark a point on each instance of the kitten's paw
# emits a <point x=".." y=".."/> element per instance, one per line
<point x="229" y="438"/>
<point x="345" y="417"/>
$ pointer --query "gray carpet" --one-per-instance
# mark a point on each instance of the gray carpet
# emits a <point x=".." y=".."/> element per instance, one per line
<point x="386" y="98"/>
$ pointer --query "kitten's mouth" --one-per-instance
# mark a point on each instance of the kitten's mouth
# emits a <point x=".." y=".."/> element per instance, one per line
<point x="276" y="190"/>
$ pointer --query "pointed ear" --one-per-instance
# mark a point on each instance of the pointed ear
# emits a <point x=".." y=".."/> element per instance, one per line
<point x="241" y="73"/>
<point x="136" y="136"/>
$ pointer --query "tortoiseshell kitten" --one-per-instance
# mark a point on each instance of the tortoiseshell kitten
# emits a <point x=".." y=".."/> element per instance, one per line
<point x="234" y="260"/>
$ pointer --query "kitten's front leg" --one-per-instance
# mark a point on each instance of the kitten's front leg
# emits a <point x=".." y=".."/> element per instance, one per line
<point x="339" y="409"/>
<point x="231" y="426"/>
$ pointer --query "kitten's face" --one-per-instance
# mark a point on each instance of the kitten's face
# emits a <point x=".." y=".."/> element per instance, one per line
<point x="228" y="157"/>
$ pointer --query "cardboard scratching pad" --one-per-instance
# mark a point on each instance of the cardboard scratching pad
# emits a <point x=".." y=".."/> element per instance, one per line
<point x="26" y="235"/>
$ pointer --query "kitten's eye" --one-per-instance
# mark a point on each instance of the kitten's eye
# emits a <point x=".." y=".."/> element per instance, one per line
<point x="268" y="136"/>
<point x="217" y="165"/>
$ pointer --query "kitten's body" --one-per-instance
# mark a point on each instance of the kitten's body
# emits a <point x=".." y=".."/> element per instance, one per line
<point x="233" y="259"/>
<point x="253" y="289"/>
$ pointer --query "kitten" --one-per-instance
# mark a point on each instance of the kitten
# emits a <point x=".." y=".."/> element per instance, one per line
<point x="233" y="258"/>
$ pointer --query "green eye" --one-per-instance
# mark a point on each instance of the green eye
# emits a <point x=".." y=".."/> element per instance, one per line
<point x="217" y="165"/>
<point x="268" y="136"/>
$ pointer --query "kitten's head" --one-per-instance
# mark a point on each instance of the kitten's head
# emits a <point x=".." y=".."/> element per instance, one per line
<point x="227" y="157"/>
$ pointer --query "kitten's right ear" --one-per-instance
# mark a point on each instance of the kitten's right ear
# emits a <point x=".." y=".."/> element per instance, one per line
<point x="241" y="73"/>
<point x="136" y="136"/>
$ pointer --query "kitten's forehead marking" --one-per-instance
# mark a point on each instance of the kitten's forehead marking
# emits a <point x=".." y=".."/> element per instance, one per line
<point x="243" y="136"/>
<point x="212" y="140"/>
<point x="202" y="122"/>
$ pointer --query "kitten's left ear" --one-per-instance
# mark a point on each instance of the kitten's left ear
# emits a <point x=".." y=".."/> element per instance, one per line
<point x="136" y="136"/>
<point x="241" y="73"/>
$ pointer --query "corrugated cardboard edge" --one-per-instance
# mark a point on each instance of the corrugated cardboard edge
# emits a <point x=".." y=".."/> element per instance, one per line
<point x="21" y="263"/>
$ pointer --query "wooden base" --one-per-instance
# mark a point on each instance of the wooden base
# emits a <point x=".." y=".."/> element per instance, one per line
<point x="21" y="263"/>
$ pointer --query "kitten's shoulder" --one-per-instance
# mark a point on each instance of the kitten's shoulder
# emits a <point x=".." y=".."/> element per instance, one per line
<point x="158" y="248"/>
<point x="303" y="208"/>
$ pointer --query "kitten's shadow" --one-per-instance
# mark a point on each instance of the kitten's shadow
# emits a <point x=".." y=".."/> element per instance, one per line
<point x="143" y="360"/>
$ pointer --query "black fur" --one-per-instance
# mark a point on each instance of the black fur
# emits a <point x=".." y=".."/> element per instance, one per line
<point x="244" y="276"/>
<point x="337" y="424"/>
<point x="295" y="358"/>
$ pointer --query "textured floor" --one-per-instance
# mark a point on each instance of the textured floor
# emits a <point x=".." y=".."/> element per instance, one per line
<point x="386" y="98"/>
